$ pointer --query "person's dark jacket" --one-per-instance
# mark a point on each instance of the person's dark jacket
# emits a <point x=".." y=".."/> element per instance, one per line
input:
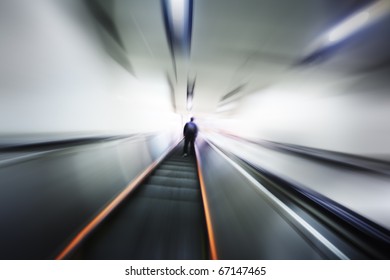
<point x="190" y="130"/>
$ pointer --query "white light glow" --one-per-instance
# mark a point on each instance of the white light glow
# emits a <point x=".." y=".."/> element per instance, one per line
<point x="178" y="15"/>
<point x="357" y="22"/>
<point x="227" y="107"/>
<point x="349" y="26"/>
<point x="189" y="104"/>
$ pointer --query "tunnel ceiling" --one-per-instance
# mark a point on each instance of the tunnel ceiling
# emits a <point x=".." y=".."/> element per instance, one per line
<point x="238" y="47"/>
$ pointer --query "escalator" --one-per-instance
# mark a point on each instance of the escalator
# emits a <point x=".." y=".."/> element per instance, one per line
<point x="163" y="218"/>
<point x="250" y="213"/>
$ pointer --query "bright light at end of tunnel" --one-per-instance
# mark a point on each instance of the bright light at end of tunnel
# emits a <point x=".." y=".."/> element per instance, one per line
<point x="189" y="104"/>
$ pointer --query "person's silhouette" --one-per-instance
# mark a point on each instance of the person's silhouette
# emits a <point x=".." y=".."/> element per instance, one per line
<point x="190" y="132"/>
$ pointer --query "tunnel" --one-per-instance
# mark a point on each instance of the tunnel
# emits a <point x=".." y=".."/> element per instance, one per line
<point x="291" y="104"/>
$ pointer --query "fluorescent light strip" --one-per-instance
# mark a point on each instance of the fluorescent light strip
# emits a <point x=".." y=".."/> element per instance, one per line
<point x="179" y="11"/>
<point x="348" y="27"/>
<point x="357" y="22"/>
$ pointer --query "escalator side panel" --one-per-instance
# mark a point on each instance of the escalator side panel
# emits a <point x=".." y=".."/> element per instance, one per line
<point x="245" y="225"/>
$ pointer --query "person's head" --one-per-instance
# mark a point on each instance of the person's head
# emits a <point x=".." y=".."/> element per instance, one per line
<point x="192" y="119"/>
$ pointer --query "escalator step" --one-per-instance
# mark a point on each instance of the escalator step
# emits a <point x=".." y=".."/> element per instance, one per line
<point x="176" y="174"/>
<point x="187" y="164"/>
<point x="173" y="182"/>
<point x="151" y="229"/>
<point x="162" y="219"/>
<point x="170" y="193"/>
<point x="180" y="160"/>
<point x="165" y="166"/>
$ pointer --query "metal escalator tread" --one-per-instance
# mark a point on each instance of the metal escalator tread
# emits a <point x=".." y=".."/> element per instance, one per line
<point x="170" y="193"/>
<point x="176" y="173"/>
<point x="173" y="182"/>
<point x="165" y="166"/>
<point x="180" y="162"/>
<point x="162" y="219"/>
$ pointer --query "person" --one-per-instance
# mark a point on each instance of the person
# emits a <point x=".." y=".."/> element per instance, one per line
<point x="190" y="132"/>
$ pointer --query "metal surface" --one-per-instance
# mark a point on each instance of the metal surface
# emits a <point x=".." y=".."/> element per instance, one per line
<point x="162" y="219"/>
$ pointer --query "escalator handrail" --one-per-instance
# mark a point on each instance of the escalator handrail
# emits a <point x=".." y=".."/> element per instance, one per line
<point x="209" y="222"/>
<point x="282" y="207"/>
<point x="107" y="210"/>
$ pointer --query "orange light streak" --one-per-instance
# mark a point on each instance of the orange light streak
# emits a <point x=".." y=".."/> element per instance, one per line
<point x="110" y="207"/>
<point x="209" y="224"/>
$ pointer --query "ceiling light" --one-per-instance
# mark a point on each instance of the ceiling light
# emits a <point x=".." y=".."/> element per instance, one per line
<point x="178" y="9"/>
<point x="349" y="26"/>
<point x="328" y="43"/>
<point x="357" y="22"/>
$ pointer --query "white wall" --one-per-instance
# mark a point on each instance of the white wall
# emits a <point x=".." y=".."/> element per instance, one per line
<point x="310" y="107"/>
<point x="55" y="76"/>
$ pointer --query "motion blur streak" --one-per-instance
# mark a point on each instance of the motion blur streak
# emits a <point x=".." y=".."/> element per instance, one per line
<point x="287" y="210"/>
<point x="107" y="210"/>
<point x="357" y="22"/>
<point x="296" y="93"/>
